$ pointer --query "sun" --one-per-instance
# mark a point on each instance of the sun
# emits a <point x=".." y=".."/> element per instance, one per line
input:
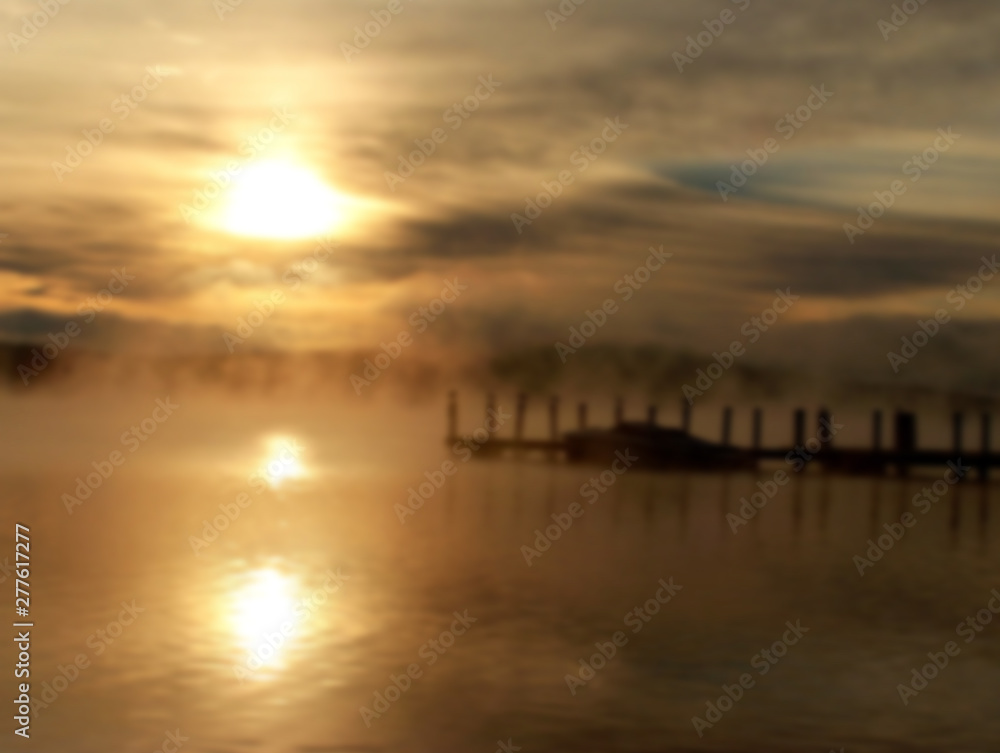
<point x="280" y="200"/>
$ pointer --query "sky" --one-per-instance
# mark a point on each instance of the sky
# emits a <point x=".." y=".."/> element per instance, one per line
<point x="297" y="122"/>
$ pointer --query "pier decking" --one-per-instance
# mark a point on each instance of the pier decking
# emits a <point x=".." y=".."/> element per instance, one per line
<point x="662" y="448"/>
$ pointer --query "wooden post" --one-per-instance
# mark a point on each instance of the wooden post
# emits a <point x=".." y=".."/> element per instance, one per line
<point x="554" y="418"/>
<point x="877" y="431"/>
<point x="984" y="464"/>
<point x="619" y="410"/>
<point x="652" y="415"/>
<point x="452" y="415"/>
<point x="686" y="416"/>
<point x="727" y="425"/>
<point x="758" y="428"/>
<point x="522" y="406"/>
<point x="581" y="416"/>
<point x="906" y="440"/>
<point x="800" y="427"/>
<point x="957" y="433"/>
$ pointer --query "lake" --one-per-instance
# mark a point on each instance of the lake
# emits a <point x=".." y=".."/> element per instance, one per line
<point x="186" y="601"/>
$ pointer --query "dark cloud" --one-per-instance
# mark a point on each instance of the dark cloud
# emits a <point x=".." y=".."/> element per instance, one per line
<point x="919" y="256"/>
<point x="31" y="324"/>
<point x="655" y="185"/>
<point x="108" y="331"/>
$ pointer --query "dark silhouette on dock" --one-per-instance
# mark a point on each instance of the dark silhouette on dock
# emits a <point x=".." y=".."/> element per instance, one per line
<point x="662" y="448"/>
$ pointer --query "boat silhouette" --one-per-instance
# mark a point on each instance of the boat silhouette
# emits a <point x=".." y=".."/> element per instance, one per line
<point x="655" y="447"/>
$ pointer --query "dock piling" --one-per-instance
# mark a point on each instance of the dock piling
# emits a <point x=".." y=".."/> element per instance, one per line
<point x="897" y="450"/>
<point x="727" y="426"/>
<point x="799" y="422"/>
<point x="906" y="440"/>
<point x="957" y="432"/>
<point x="985" y="431"/>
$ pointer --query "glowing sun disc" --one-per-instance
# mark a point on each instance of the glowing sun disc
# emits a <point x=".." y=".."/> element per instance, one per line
<point x="280" y="200"/>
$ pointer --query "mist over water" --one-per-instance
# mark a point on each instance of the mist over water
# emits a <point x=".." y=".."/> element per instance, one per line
<point x="339" y="342"/>
<point x="329" y="523"/>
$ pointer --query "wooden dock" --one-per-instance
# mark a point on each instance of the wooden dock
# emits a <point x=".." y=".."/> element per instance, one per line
<point x="819" y="448"/>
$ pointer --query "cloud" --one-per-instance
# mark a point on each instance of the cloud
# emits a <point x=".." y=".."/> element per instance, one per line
<point x="655" y="185"/>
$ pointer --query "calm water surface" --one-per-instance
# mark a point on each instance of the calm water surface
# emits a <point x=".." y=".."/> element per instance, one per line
<point x="197" y="657"/>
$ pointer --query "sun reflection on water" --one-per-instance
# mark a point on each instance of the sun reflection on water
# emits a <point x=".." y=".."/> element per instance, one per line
<point x="283" y="461"/>
<point x="263" y="615"/>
